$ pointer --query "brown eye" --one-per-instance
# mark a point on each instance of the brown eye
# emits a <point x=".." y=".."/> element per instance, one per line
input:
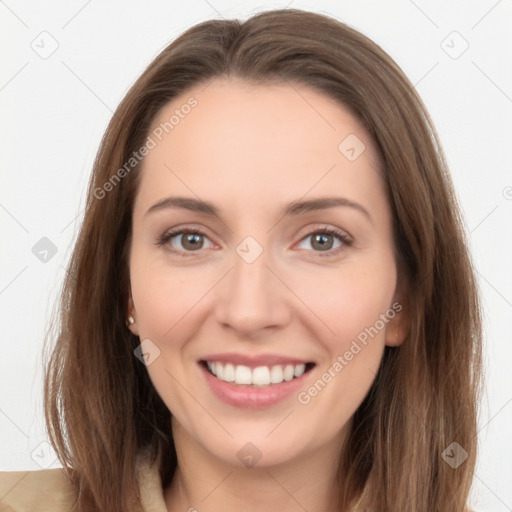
<point x="192" y="241"/>
<point x="327" y="241"/>
<point x="184" y="241"/>
<point x="322" y="241"/>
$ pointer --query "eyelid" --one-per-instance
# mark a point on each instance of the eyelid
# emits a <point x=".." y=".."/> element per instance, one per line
<point x="165" y="238"/>
<point x="342" y="235"/>
<point x="345" y="239"/>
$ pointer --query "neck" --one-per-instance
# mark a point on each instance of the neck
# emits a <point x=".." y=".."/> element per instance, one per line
<point x="203" y="482"/>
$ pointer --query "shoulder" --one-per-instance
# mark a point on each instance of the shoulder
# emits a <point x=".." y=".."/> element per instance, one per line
<point x="46" y="489"/>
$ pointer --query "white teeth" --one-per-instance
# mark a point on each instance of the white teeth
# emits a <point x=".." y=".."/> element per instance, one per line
<point x="220" y="370"/>
<point x="276" y="375"/>
<point x="299" y="370"/>
<point x="242" y="374"/>
<point x="229" y="373"/>
<point x="259" y="376"/>
<point x="288" y="372"/>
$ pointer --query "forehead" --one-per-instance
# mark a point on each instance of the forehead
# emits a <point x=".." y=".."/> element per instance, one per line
<point x="228" y="137"/>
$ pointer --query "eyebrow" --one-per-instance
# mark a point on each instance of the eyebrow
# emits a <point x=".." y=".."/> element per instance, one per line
<point x="294" y="208"/>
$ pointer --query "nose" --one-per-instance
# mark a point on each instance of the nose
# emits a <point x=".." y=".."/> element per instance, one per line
<point x="252" y="298"/>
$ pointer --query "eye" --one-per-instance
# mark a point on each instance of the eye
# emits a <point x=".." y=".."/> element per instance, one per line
<point x="184" y="241"/>
<point x="324" y="240"/>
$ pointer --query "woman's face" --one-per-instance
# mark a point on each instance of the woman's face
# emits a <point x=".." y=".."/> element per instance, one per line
<point x="258" y="291"/>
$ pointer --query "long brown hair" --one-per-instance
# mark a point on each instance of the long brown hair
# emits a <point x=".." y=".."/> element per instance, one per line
<point x="102" y="410"/>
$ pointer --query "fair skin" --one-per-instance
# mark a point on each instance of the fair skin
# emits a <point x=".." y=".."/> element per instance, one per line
<point x="250" y="150"/>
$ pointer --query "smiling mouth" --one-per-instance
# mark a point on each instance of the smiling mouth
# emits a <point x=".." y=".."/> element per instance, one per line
<point x="260" y="376"/>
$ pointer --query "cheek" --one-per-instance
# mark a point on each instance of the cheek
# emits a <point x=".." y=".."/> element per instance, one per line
<point x="163" y="296"/>
<point x="349" y="300"/>
<point x="356" y="305"/>
<point x="352" y="304"/>
<point x="164" y="300"/>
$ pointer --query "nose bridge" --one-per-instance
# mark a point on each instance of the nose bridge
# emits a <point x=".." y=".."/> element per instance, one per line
<point x="253" y="297"/>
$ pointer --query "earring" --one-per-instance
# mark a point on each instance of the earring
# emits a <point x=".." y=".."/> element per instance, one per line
<point x="130" y="320"/>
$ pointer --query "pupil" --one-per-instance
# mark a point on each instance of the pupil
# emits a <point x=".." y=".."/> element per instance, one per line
<point x="322" y="244"/>
<point x="192" y="238"/>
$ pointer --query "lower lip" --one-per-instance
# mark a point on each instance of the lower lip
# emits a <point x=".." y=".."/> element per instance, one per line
<point x="252" y="397"/>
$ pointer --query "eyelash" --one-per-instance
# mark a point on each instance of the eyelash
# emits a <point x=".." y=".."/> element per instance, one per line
<point x="345" y="239"/>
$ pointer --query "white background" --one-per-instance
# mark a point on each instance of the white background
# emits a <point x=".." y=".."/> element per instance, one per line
<point x="55" y="110"/>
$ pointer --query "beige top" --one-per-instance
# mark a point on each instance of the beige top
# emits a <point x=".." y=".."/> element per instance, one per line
<point x="49" y="489"/>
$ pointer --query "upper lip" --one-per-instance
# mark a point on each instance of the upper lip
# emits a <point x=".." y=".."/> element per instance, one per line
<point x="254" y="361"/>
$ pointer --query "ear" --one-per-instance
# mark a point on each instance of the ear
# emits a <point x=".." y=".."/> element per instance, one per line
<point x="132" y="312"/>
<point x="399" y="320"/>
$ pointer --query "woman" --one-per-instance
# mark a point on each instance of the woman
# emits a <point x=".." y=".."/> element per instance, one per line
<point x="270" y="305"/>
